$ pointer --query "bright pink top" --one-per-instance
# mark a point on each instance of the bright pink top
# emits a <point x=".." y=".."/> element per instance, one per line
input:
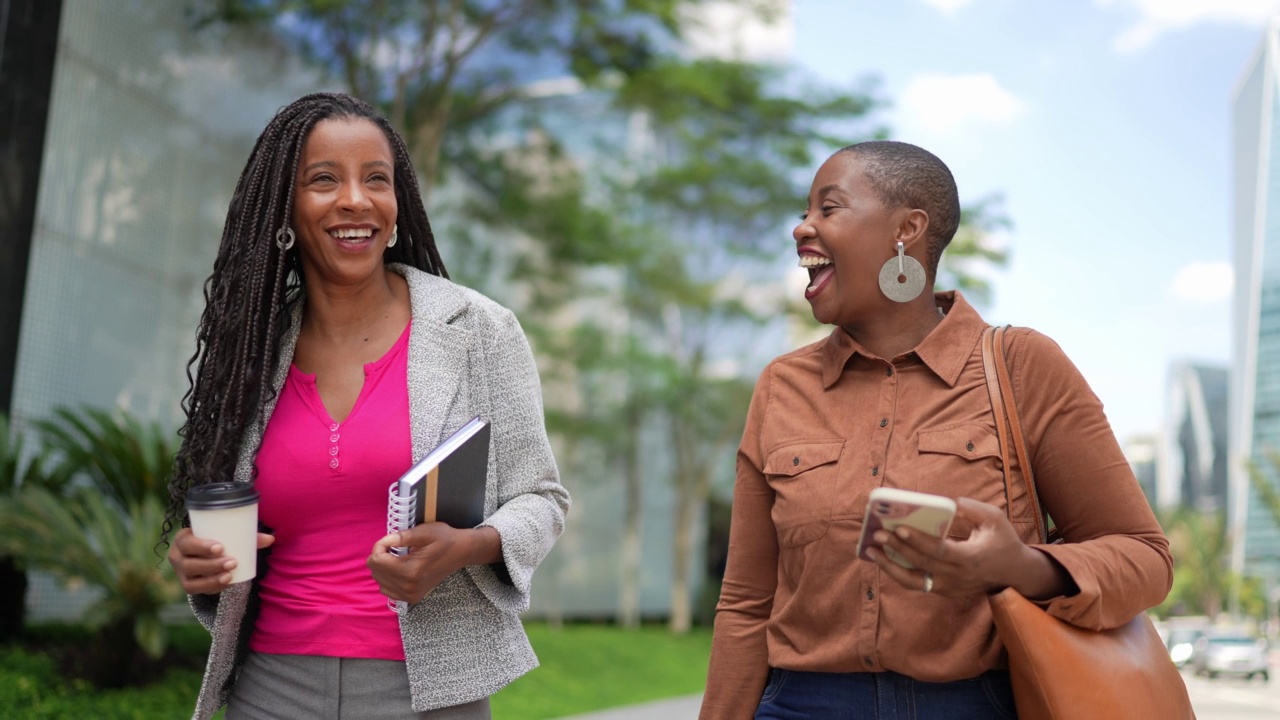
<point x="323" y="486"/>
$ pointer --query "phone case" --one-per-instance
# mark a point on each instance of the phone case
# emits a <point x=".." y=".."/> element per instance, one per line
<point x="890" y="508"/>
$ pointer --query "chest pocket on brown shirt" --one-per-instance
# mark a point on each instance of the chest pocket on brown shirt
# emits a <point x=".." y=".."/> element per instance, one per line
<point x="961" y="460"/>
<point x="803" y="477"/>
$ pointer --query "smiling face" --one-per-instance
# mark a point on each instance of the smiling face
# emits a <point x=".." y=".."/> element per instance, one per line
<point x="344" y="206"/>
<point x="844" y="237"/>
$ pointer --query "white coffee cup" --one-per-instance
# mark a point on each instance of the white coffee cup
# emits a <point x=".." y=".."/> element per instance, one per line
<point x="228" y="512"/>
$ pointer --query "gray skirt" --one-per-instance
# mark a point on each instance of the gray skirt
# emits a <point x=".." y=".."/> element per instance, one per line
<point x="311" y="687"/>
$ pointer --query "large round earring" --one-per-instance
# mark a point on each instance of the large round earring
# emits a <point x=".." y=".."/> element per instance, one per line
<point x="902" y="278"/>
<point x="285" y="238"/>
<point x="395" y="233"/>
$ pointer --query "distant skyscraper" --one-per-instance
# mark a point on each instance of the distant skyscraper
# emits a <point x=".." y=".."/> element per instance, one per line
<point x="1140" y="451"/>
<point x="1255" y="376"/>
<point x="1191" y="465"/>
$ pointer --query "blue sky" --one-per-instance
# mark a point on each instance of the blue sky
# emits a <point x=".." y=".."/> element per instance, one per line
<point x="1106" y="126"/>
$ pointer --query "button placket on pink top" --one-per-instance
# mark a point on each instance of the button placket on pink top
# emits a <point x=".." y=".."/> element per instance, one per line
<point x="311" y="396"/>
<point x="334" y="463"/>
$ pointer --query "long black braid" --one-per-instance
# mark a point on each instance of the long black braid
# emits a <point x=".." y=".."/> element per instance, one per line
<point x="255" y="284"/>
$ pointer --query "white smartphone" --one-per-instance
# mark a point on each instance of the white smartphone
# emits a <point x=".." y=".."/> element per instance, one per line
<point x="890" y="508"/>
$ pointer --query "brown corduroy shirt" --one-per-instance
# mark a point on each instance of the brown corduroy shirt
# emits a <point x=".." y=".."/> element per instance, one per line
<point x="830" y="422"/>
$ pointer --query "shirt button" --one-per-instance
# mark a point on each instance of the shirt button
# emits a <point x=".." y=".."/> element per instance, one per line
<point x="875" y="471"/>
<point x="969" y="447"/>
<point x="888" y="371"/>
<point x="333" y="451"/>
<point x="333" y="427"/>
<point x="884" y="421"/>
<point x="868" y="661"/>
<point x="795" y="461"/>
<point x="334" y="438"/>
<point x="871" y="594"/>
<point x="333" y="463"/>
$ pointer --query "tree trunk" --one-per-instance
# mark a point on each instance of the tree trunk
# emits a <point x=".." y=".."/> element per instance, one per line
<point x="632" y="524"/>
<point x="114" y="655"/>
<point x="687" y="506"/>
<point x="13" y="598"/>
<point x="682" y="547"/>
<point x="427" y="141"/>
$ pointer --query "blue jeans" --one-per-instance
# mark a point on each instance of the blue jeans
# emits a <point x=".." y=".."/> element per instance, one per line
<point x="797" y="695"/>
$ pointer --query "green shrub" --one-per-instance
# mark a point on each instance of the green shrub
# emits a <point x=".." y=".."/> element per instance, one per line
<point x="32" y="688"/>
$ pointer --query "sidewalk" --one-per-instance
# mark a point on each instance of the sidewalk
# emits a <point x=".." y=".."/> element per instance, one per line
<point x="681" y="708"/>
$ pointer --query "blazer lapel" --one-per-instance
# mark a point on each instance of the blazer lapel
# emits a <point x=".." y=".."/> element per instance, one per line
<point x="438" y="357"/>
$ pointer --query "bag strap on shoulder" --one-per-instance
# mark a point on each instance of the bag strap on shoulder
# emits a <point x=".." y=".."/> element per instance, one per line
<point x="995" y="366"/>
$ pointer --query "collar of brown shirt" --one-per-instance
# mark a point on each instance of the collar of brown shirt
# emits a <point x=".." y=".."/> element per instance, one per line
<point x="944" y="351"/>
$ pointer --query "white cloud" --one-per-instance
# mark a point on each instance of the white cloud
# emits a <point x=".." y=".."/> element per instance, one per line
<point x="1202" y="282"/>
<point x="937" y="105"/>
<point x="947" y="6"/>
<point x="733" y="30"/>
<point x="1159" y="16"/>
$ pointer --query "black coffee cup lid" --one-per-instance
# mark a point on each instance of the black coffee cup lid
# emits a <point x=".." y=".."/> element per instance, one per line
<point x="221" y="496"/>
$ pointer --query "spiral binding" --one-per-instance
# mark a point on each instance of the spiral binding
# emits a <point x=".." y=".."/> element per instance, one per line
<point x="400" y="512"/>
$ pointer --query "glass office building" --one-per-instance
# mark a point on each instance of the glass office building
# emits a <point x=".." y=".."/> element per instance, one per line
<point x="1191" y="469"/>
<point x="1255" y="377"/>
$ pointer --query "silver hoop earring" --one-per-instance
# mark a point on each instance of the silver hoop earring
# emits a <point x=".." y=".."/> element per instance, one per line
<point x="285" y="238"/>
<point x="395" y="232"/>
<point x="902" y="278"/>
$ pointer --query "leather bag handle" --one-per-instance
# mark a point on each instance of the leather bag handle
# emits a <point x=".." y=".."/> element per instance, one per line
<point x="995" y="366"/>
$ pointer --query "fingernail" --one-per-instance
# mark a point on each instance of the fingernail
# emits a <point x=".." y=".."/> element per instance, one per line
<point x="230" y="564"/>
<point x="902" y="533"/>
<point x="881" y="536"/>
<point x="216" y="549"/>
<point x="225" y="578"/>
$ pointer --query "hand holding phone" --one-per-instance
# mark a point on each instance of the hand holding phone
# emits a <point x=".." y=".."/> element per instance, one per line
<point x="890" y="508"/>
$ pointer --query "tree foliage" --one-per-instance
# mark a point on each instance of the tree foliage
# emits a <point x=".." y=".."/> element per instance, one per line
<point x="1201" y="576"/>
<point x="440" y="68"/>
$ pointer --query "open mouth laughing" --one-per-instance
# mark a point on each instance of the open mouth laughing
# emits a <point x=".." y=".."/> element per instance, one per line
<point x="820" y="270"/>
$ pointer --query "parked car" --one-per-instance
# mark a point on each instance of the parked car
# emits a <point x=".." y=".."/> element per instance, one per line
<point x="1182" y="644"/>
<point x="1232" y="655"/>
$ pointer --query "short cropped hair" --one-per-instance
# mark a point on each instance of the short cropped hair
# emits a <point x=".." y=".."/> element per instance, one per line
<point x="904" y="175"/>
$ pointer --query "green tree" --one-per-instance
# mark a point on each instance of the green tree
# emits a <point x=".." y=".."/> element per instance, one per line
<point x="441" y="68"/>
<point x="1201" y="576"/>
<point x="728" y="144"/>
<point x="1264" y="484"/>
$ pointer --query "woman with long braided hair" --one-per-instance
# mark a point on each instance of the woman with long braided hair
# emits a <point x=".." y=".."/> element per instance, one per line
<point x="332" y="352"/>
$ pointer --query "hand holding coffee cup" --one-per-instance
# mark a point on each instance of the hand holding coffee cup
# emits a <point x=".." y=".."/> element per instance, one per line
<point x="224" y="531"/>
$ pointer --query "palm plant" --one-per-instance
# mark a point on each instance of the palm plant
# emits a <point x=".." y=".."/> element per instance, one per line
<point x="86" y="538"/>
<point x="18" y="468"/>
<point x="101" y="530"/>
<point x="122" y="457"/>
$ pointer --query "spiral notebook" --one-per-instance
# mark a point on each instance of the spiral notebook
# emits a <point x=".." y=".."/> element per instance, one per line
<point x="446" y="485"/>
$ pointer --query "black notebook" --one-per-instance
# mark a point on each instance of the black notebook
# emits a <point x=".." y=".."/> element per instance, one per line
<point x="446" y="485"/>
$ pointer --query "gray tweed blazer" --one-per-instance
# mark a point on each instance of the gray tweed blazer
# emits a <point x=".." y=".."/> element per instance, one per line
<point x="464" y="641"/>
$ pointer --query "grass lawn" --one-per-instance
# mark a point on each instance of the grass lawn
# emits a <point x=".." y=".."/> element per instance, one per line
<point x="591" y="667"/>
<point x="584" y="668"/>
